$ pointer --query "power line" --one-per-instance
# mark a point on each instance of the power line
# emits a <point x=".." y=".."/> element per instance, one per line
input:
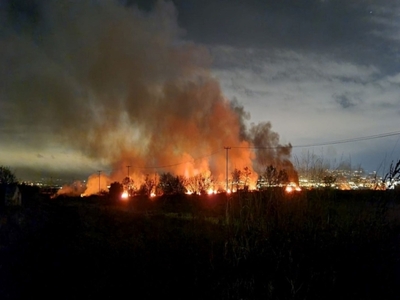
<point x="227" y="150"/>
<point x="99" y="179"/>
<point x="349" y="140"/>
<point x="343" y="141"/>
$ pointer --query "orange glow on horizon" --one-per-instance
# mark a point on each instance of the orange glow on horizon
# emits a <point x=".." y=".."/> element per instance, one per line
<point x="211" y="192"/>
<point x="291" y="187"/>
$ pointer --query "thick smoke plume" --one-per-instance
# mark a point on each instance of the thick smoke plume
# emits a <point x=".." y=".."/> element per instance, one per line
<point x="269" y="151"/>
<point x="121" y="86"/>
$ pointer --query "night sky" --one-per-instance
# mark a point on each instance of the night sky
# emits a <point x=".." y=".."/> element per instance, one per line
<point x="74" y="76"/>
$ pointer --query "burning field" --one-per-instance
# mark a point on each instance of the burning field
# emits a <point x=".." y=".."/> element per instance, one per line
<point x="124" y="88"/>
<point x="154" y="105"/>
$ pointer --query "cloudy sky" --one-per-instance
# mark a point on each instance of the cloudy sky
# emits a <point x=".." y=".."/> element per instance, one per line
<point x="320" y="71"/>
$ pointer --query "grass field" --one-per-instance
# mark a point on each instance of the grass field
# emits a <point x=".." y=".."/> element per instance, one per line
<point x="320" y="244"/>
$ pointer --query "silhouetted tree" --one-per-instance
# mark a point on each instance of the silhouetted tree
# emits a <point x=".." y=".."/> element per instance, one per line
<point x="171" y="184"/>
<point x="392" y="176"/>
<point x="275" y="177"/>
<point x="328" y="180"/>
<point x="7" y="176"/>
<point x="200" y="183"/>
<point x="128" y="185"/>
<point x="116" y="190"/>
<point x="312" y="167"/>
<point x="148" y="186"/>
<point x="236" y="178"/>
<point x="246" y="176"/>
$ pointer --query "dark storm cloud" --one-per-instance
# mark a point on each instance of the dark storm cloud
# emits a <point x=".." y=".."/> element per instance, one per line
<point x="21" y="14"/>
<point x="307" y="23"/>
<point x="346" y="101"/>
<point x="340" y="27"/>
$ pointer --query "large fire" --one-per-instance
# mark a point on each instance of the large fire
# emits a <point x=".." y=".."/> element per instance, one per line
<point x="148" y="100"/>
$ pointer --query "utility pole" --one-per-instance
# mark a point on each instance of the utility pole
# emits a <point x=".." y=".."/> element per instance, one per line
<point x="227" y="149"/>
<point x="129" y="182"/>
<point x="99" y="180"/>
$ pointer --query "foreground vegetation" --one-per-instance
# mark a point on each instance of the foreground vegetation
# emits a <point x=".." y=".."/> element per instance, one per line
<point x="320" y="244"/>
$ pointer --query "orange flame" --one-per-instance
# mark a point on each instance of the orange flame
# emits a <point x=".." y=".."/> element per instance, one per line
<point x="124" y="195"/>
<point x="292" y="187"/>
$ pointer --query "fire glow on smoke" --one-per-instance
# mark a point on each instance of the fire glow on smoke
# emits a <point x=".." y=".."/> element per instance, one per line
<point x="133" y="92"/>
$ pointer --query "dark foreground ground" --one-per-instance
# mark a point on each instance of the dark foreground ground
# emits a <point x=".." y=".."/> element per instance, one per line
<point x="256" y="247"/>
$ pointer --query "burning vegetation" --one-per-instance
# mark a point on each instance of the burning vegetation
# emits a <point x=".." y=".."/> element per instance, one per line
<point x="127" y="90"/>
